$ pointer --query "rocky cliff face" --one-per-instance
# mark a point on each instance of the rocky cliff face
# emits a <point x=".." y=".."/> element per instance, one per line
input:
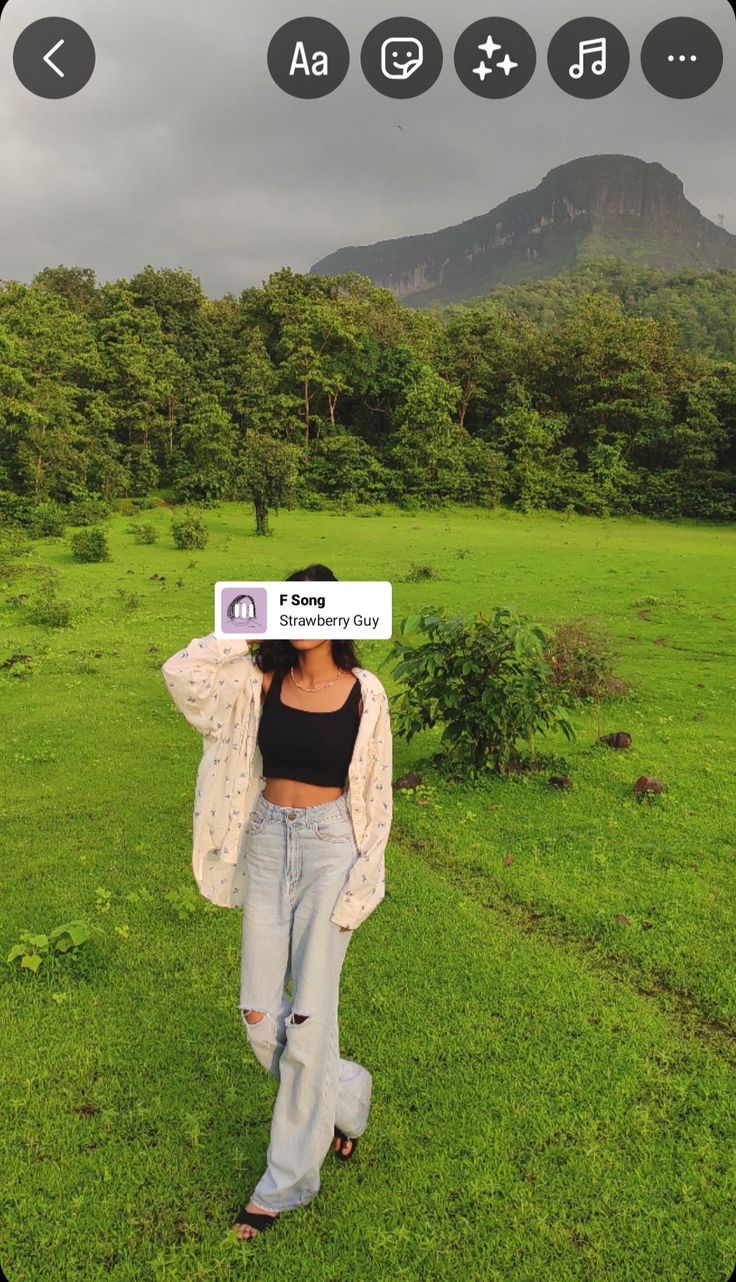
<point x="597" y="205"/>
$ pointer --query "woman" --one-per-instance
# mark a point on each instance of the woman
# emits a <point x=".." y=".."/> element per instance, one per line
<point x="304" y="858"/>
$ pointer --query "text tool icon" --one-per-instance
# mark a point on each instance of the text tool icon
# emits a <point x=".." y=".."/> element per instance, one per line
<point x="588" y="58"/>
<point x="401" y="56"/>
<point x="308" y="58"/>
<point x="495" y="58"/>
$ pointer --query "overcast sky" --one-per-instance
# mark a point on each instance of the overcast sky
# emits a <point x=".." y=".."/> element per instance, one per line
<point x="182" y="152"/>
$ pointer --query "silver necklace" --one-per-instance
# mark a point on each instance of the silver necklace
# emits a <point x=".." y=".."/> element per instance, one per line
<point x="313" y="689"/>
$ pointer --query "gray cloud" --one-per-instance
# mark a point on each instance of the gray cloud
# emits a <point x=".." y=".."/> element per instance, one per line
<point x="182" y="152"/>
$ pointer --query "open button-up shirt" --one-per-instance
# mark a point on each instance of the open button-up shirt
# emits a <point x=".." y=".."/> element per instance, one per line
<point x="217" y="686"/>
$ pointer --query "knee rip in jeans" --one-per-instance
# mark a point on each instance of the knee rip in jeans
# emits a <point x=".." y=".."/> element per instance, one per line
<point x="257" y="1016"/>
<point x="253" y="1016"/>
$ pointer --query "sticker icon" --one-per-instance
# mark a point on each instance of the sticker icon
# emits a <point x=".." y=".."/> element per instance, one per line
<point x="401" y="56"/>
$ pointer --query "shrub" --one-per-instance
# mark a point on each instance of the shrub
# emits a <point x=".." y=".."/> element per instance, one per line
<point x="145" y="533"/>
<point x="130" y="600"/>
<point x="46" y="520"/>
<point x="420" y="573"/>
<point x="90" y="545"/>
<point x="13" y="543"/>
<point x="15" y="508"/>
<point x="581" y="654"/>
<point x="51" y="612"/>
<point x="126" y="506"/>
<point x="486" y="681"/>
<point x="87" y="511"/>
<point x="20" y="665"/>
<point x="189" y="531"/>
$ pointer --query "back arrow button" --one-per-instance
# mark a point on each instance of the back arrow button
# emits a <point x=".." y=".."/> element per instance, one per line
<point x="48" y="56"/>
<point x="38" y="66"/>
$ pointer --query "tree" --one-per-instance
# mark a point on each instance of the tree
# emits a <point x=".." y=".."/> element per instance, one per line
<point x="54" y="374"/>
<point x="531" y="441"/>
<point x="267" y="474"/>
<point x="77" y="286"/>
<point x="479" y="354"/>
<point x="141" y="371"/>
<point x="204" y="465"/>
<point x="486" y="681"/>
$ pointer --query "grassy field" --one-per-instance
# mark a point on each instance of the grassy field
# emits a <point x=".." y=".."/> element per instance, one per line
<point x="554" y="1092"/>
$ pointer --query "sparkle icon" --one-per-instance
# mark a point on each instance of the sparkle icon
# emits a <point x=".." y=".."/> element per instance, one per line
<point x="489" y="48"/>
<point x="506" y="62"/>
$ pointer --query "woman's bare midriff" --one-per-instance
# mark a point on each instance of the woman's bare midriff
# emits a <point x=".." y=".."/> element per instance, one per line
<point x="291" y="792"/>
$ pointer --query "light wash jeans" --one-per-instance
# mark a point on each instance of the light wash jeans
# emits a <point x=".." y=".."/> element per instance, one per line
<point x="296" y="862"/>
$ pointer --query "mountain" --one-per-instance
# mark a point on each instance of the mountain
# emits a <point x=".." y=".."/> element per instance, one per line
<point x="593" y="207"/>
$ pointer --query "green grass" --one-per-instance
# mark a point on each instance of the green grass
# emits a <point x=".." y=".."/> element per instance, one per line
<point x="553" y="1089"/>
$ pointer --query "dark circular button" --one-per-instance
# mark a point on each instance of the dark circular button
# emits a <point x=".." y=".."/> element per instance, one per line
<point x="401" y="58"/>
<point x="54" y="57"/>
<point x="682" y="58"/>
<point x="308" y="58"/>
<point x="495" y="58"/>
<point x="588" y="58"/>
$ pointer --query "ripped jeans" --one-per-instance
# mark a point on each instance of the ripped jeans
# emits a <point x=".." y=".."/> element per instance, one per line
<point x="296" y="862"/>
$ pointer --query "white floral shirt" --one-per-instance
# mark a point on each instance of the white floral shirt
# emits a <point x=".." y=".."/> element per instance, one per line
<point x="217" y="686"/>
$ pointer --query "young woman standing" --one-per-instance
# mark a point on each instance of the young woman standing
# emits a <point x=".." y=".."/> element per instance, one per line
<point x="304" y="857"/>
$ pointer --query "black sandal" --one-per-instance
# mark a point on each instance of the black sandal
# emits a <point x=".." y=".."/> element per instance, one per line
<point x="255" y="1220"/>
<point x="345" y="1157"/>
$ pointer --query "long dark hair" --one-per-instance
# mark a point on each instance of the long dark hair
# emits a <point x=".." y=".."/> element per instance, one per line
<point x="279" y="656"/>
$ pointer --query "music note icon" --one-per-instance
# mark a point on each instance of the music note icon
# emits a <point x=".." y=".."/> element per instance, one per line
<point x="589" y="49"/>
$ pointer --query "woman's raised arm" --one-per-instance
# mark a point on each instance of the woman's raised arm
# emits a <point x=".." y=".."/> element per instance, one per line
<point x="206" y="677"/>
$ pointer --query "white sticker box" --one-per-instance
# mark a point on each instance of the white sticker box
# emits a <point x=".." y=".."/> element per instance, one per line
<point x="303" y="611"/>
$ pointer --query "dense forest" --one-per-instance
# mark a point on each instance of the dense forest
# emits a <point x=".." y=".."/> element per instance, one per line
<point x="703" y="304"/>
<point x="611" y="390"/>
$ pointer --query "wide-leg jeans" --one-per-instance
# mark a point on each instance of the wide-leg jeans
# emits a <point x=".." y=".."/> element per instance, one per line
<point x="296" y="862"/>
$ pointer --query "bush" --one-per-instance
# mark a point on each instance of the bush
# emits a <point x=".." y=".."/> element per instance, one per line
<point x="485" y="681"/>
<point x="189" y="531"/>
<point x="420" y="573"/>
<point x="15" y="509"/>
<point x="345" y="469"/>
<point x="145" y="533"/>
<point x="46" y="520"/>
<point x="90" y="545"/>
<point x="20" y="665"/>
<point x="87" y="511"/>
<point x="130" y="600"/>
<point x="51" y="612"/>
<point x="13" y="543"/>
<point x="581" y="655"/>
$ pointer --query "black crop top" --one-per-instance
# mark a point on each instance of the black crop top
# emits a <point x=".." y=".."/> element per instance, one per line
<point x="311" y="747"/>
